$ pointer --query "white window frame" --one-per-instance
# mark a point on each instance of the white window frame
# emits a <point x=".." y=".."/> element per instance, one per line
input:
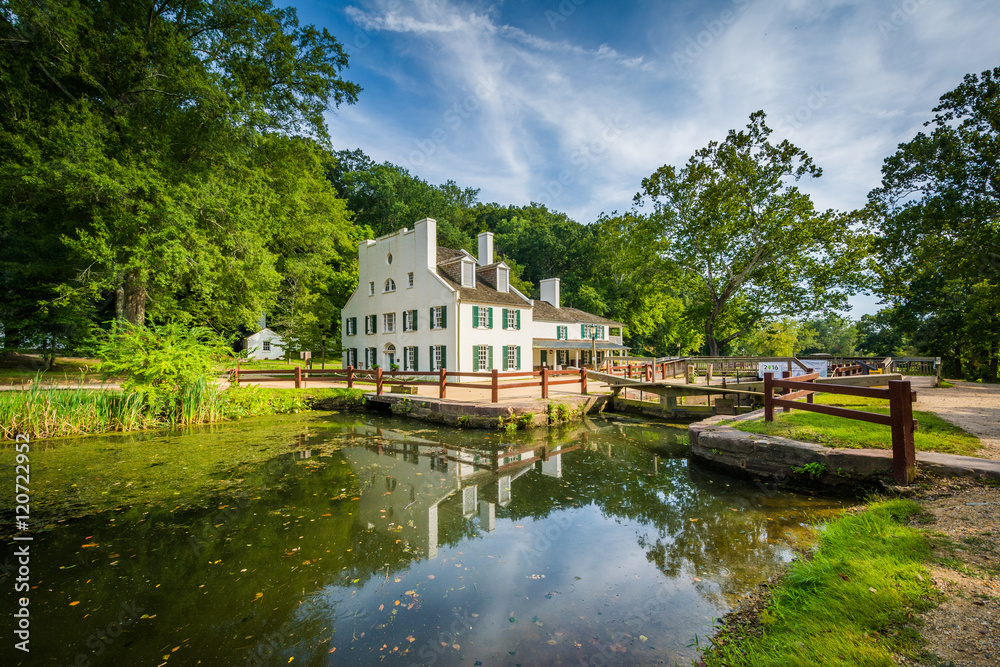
<point x="468" y="274"/>
<point x="512" y="318"/>
<point x="436" y="358"/>
<point x="371" y="288"/>
<point x="388" y="322"/>
<point x="390" y="286"/>
<point x="436" y="324"/>
<point x="352" y="326"/>
<point x="512" y="358"/>
<point x="409" y="279"/>
<point x="484" y="317"/>
<point x="265" y="346"/>
<point x="408" y="364"/>
<point x="484" y="358"/>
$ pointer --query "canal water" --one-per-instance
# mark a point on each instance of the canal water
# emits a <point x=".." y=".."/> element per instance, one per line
<point x="363" y="540"/>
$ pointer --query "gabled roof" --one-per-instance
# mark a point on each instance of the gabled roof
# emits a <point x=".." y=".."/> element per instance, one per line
<point x="544" y="311"/>
<point x="485" y="290"/>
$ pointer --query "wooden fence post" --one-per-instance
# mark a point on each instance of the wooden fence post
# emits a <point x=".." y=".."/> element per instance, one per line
<point x="583" y="381"/>
<point x="495" y="381"/>
<point x="904" y="458"/>
<point x="690" y="374"/>
<point x="298" y="377"/>
<point x="350" y="377"/>
<point x="663" y="370"/>
<point x="378" y="381"/>
<point x="768" y="397"/>
<point x="236" y="375"/>
<point x="784" y="376"/>
<point x="649" y="372"/>
<point x="809" y="398"/>
<point x="442" y="383"/>
<point x="545" y="382"/>
<point x="708" y="373"/>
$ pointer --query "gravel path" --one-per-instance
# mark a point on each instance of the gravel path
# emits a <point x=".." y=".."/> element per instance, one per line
<point x="973" y="406"/>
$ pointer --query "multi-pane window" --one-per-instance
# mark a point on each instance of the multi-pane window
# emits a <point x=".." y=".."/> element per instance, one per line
<point x="390" y="285"/>
<point x="562" y="357"/>
<point x="562" y="333"/>
<point x="437" y="352"/>
<point x="266" y="346"/>
<point x="484" y="317"/>
<point x="439" y="317"/>
<point x="409" y="279"/>
<point x="409" y="358"/>
<point x="351" y="326"/>
<point x="371" y="288"/>
<point x="512" y="351"/>
<point x="370" y="324"/>
<point x="388" y="322"/>
<point x="484" y="357"/>
<point x="512" y="318"/>
<point x="409" y="320"/>
<point x="351" y="357"/>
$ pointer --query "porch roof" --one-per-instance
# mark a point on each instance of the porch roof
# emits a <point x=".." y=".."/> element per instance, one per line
<point x="550" y="344"/>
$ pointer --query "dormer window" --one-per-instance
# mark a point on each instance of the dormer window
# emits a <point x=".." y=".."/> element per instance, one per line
<point x="468" y="274"/>
<point x="502" y="280"/>
<point x="390" y="285"/>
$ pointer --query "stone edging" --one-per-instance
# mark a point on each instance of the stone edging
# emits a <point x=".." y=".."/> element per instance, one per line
<point x="773" y="458"/>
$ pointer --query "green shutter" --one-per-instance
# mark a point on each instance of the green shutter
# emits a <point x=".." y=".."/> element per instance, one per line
<point x="505" y="357"/>
<point x="475" y="317"/>
<point x="444" y="317"/>
<point x="431" y="325"/>
<point x="583" y="331"/>
<point x="444" y="359"/>
<point x="518" y="357"/>
<point x="413" y="320"/>
<point x="518" y="318"/>
<point x="416" y="358"/>
<point x="475" y="358"/>
<point x="504" y="321"/>
<point x="489" y="321"/>
<point x="489" y="357"/>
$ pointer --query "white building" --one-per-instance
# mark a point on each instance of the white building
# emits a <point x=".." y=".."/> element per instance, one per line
<point x="422" y="307"/>
<point x="265" y="344"/>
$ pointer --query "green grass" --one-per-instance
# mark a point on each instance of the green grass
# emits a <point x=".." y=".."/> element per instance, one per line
<point x="848" y="604"/>
<point x="281" y="364"/>
<point x="45" y="412"/>
<point x="20" y="369"/>
<point x="933" y="434"/>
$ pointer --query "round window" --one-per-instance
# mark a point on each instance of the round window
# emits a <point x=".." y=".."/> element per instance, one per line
<point x="388" y="258"/>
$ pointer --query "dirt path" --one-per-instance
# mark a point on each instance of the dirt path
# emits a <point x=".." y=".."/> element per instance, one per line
<point x="973" y="406"/>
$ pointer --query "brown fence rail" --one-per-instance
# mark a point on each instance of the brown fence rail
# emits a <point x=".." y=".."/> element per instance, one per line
<point x="496" y="381"/>
<point x="900" y="418"/>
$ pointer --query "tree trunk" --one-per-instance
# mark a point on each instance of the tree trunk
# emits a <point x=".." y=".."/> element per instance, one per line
<point x="135" y="299"/>
<point x="713" y="345"/>
<point x="119" y="304"/>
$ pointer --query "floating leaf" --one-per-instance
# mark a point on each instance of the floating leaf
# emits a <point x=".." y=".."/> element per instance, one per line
<point x="74" y="603"/>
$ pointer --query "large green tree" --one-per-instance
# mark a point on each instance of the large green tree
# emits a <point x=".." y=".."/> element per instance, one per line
<point x="936" y="224"/>
<point x="734" y="223"/>
<point x="162" y="156"/>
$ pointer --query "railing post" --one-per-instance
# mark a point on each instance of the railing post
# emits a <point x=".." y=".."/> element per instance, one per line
<point x="545" y="382"/>
<point x="649" y="372"/>
<point x="708" y="373"/>
<point x="298" y="377"/>
<point x="442" y="383"/>
<point x="904" y="458"/>
<point x="496" y="386"/>
<point x="768" y="397"/>
<point x="378" y="381"/>
<point x="350" y="377"/>
<point x="583" y="381"/>
<point x="784" y="376"/>
<point x="809" y="398"/>
<point x="663" y="370"/>
<point x="690" y="374"/>
<point x="236" y="375"/>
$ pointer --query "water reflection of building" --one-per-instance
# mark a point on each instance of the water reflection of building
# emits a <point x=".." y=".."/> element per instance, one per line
<point x="407" y="483"/>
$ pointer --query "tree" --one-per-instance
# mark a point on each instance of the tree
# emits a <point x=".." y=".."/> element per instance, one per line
<point x="734" y="225"/>
<point x="935" y="221"/>
<point x="829" y="334"/>
<point x="154" y="155"/>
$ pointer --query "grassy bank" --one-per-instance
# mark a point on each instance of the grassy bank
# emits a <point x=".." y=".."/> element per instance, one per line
<point x="847" y="605"/>
<point x="933" y="435"/>
<point x="45" y="412"/>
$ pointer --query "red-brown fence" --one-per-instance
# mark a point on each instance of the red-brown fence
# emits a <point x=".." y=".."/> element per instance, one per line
<point x="900" y="418"/>
<point x="648" y="371"/>
<point x="544" y="379"/>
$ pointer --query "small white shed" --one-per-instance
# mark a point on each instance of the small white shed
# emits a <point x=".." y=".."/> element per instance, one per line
<point x="265" y="344"/>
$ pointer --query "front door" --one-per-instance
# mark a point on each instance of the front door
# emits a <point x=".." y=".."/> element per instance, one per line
<point x="544" y="358"/>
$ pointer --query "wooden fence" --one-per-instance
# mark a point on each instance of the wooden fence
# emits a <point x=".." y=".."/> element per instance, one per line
<point x="899" y="420"/>
<point x="497" y="381"/>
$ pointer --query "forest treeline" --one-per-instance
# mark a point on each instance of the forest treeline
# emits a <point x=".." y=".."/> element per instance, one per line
<point x="170" y="162"/>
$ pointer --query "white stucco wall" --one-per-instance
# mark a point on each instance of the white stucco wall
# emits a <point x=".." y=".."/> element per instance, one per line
<point x="413" y="251"/>
<point x="498" y="337"/>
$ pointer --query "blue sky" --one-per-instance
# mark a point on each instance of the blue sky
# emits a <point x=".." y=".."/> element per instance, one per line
<point x="571" y="103"/>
